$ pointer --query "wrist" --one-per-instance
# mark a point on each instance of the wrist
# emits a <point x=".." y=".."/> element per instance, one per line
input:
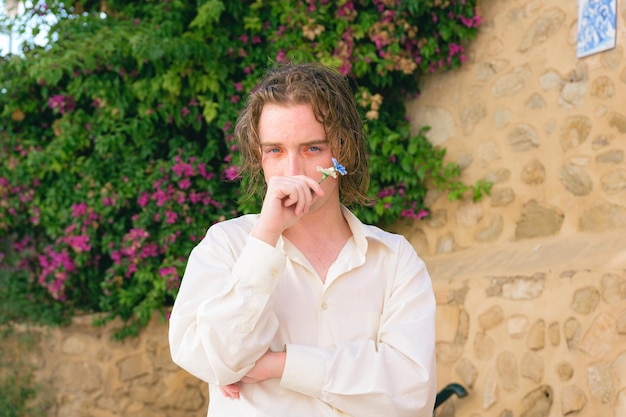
<point x="279" y="359"/>
<point x="268" y="236"/>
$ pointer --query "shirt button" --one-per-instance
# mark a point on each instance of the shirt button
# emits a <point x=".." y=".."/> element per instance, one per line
<point x="324" y="306"/>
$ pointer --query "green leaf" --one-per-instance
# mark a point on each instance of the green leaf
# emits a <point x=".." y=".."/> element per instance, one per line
<point x="252" y="23"/>
<point x="208" y="14"/>
<point x="209" y="110"/>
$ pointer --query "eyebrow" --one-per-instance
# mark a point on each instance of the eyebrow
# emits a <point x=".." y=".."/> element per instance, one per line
<point x="307" y="143"/>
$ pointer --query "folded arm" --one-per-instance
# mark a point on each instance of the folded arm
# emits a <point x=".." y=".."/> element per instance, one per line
<point x="222" y="321"/>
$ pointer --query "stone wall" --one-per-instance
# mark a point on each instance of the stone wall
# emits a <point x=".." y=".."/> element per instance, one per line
<point x="530" y="281"/>
<point x="534" y="328"/>
<point x="547" y="129"/>
<point x="83" y="371"/>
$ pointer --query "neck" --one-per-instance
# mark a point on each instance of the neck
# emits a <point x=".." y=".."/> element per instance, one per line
<point x="324" y="224"/>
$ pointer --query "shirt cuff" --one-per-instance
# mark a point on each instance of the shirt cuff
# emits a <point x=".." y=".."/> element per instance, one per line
<point x="260" y="265"/>
<point x="305" y="370"/>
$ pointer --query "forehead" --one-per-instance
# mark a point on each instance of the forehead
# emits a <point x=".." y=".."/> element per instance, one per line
<point x="280" y="122"/>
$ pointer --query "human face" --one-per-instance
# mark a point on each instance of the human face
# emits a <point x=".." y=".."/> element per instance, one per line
<point x="293" y="142"/>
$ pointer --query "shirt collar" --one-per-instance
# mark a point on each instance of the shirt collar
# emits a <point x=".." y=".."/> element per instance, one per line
<point x="362" y="233"/>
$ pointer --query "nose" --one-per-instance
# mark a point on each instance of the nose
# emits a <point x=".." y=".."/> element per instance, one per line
<point x="295" y="165"/>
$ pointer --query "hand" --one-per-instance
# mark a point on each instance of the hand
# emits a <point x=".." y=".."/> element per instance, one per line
<point x="286" y="200"/>
<point x="230" y="391"/>
<point x="270" y="365"/>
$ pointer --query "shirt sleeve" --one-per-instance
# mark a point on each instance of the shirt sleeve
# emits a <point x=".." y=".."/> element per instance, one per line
<point x="222" y="320"/>
<point x="391" y="376"/>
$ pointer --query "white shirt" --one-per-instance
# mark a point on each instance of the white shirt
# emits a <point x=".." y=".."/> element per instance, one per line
<point x="360" y="344"/>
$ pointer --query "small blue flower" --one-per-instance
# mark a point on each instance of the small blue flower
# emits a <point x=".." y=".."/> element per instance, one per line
<point x="339" y="168"/>
<point x="332" y="171"/>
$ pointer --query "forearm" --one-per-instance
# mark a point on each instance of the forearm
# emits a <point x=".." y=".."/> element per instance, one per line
<point x="270" y="365"/>
<point x="222" y="321"/>
<point x="361" y="378"/>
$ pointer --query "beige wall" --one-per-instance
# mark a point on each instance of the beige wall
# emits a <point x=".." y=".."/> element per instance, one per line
<point x="82" y="371"/>
<point x="536" y="325"/>
<point x="548" y="129"/>
<point x="530" y="282"/>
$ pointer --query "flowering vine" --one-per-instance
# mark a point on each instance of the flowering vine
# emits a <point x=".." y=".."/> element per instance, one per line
<point x="117" y="144"/>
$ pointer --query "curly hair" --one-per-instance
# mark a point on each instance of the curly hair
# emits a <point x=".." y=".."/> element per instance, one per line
<point x="332" y="100"/>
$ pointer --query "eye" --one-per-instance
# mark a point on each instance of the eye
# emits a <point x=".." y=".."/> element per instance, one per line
<point x="314" y="149"/>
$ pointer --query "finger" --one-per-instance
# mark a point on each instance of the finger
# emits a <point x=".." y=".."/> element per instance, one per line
<point x="224" y="392"/>
<point x="299" y="197"/>
<point x="291" y="198"/>
<point x="308" y="199"/>
<point x="316" y="189"/>
<point x="297" y="193"/>
<point x="230" y="391"/>
<point x="305" y="201"/>
<point x="312" y="192"/>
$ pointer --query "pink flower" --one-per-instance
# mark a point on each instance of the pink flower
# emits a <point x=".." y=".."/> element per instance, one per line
<point x="116" y="256"/>
<point x="410" y="213"/>
<point x="170" y="217"/>
<point x="136" y="234"/>
<point x="132" y="268"/>
<point x="184" y="184"/>
<point x="231" y="173"/>
<point x="78" y="243"/>
<point x="61" y="103"/>
<point x="149" y="250"/>
<point x="160" y="197"/>
<point x="195" y="197"/>
<point x="20" y="246"/>
<point x="79" y="209"/>
<point x="143" y="200"/>
<point x="167" y="271"/>
<point x="55" y="266"/>
<point x="386" y="192"/>
<point x="182" y="169"/>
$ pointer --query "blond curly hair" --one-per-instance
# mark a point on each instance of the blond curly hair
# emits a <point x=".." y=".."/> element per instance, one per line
<point x="332" y="100"/>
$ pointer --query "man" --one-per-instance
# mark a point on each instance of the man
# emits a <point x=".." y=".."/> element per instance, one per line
<point x="302" y="310"/>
